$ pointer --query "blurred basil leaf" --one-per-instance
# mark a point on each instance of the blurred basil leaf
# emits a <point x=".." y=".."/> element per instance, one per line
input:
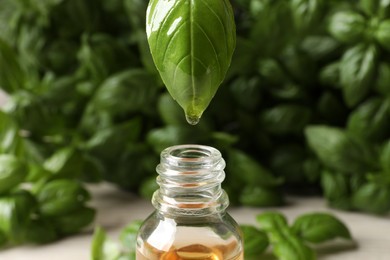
<point x="357" y="71"/>
<point x="372" y="197"/>
<point x="258" y="196"/>
<point x="12" y="77"/>
<point x="335" y="187"/>
<point x="170" y="112"/>
<point x="12" y="172"/>
<point x="59" y="197"/>
<point x="320" y="227"/>
<point x="101" y="56"/>
<point x="198" y="39"/>
<point x="148" y="187"/>
<point x="320" y="47"/>
<point x="331" y="108"/>
<point x="245" y="169"/>
<point x="273" y="22"/>
<point x="371" y="120"/>
<point x="330" y="75"/>
<point x="383" y="79"/>
<point x="383" y="34"/>
<point x="385" y="157"/>
<point x="65" y="163"/>
<point x="380" y="8"/>
<point x="15" y="215"/>
<point x="40" y="231"/>
<point x="256" y="241"/>
<point x="307" y="13"/>
<point x="347" y="26"/>
<point x="340" y="151"/>
<point x="285" y="119"/>
<point x="246" y="92"/>
<point x="74" y="221"/>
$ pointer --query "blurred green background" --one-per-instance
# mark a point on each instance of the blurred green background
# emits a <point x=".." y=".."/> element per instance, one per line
<point x="304" y="109"/>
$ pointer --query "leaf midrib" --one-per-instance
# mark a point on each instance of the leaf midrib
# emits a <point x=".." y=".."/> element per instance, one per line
<point x="192" y="52"/>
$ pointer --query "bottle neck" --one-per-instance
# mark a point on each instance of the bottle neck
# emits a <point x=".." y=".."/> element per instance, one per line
<point x="190" y="178"/>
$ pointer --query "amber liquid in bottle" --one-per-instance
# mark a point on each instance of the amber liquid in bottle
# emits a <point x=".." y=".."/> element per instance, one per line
<point x="192" y="252"/>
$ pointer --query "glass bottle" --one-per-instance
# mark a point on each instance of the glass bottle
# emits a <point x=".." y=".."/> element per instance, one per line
<point x="190" y="221"/>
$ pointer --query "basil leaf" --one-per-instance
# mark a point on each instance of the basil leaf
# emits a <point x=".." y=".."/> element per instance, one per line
<point x="198" y="39"/>
<point x="385" y="157"/>
<point x="246" y="92"/>
<point x="383" y="34"/>
<point x="336" y="189"/>
<point x="60" y="197"/>
<point x="380" y="8"/>
<point x="15" y="215"/>
<point x="357" y="71"/>
<point x="12" y="172"/>
<point x="286" y="246"/>
<point x="256" y="241"/>
<point x="347" y="26"/>
<point x="371" y="120"/>
<point x="272" y="22"/>
<point x="382" y="85"/>
<point x="3" y="239"/>
<point x="330" y="75"/>
<point x="12" y="77"/>
<point x="99" y="237"/>
<point x="169" y="110"/>
<point x="320" y="47"/>
<point x="258" y="196"/>
<point x="320" y="227"/>
<point x="332" y="109"/>
<point x="245" y="169"/>
<point x="66" y="162"/>
<point x="339" y="151"/>
<point x="373" y="198"/>
<point x="307" y="13"/>
<point x="285" y="119"/>
<point x="40" y="231"/>
<point x="72" y="222"/>
<point x="148" y="187"/>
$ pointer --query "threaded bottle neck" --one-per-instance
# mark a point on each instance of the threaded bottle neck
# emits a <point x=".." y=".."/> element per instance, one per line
<point x="190" y="178"/>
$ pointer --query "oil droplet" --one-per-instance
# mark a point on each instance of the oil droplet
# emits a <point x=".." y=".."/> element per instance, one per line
<point x="192" y="119"/>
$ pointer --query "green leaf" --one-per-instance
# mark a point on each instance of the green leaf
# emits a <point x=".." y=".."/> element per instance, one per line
<point x="336" y="189"/>
<point x="357" y="71"/>
<point x="12" y="172"/>
<point x="371" y="120"/>
<point x="258" y="196"/>
<point x="197" y="39"/>
<point x="245" y="169"/>
<point x="347" y="26"/>
<point x="340" y="151"/>
<point x="380" y="8"/>
<point x="320" y="227"/>
<point x="246" y="92"/>
<point x="73" y="222"/>
<point x="170" y="112"/>
<point x="320" y="47"/>
<point x="383" y="79"/>
<point x="383" y="34"/>
<point x="3" y="239"/>
<point x="256" y="241"/>
<point x="40" y="231"/>
<point x="60" y="197"/>
<point x="65" y="163"/>
<point x="98" y="239"/>
<point x="331" y="108"/>
<point x="307" y="13"/>
<point x="385" y="157"/>
<point x="15" y="215"/>
<point x="330" y="75"/>
<point x="286" y="246"/>
<point x="12" y="77"/>
<point x="373" y="198"/>
<point x="285" y="119"/>
<point x="272" y="22"/>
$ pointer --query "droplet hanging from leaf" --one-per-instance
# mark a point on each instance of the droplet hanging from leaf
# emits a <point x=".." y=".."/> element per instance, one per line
<point x="192" y="43"/>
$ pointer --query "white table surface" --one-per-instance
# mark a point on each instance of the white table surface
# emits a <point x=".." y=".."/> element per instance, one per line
<point x="116" y="208"/>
